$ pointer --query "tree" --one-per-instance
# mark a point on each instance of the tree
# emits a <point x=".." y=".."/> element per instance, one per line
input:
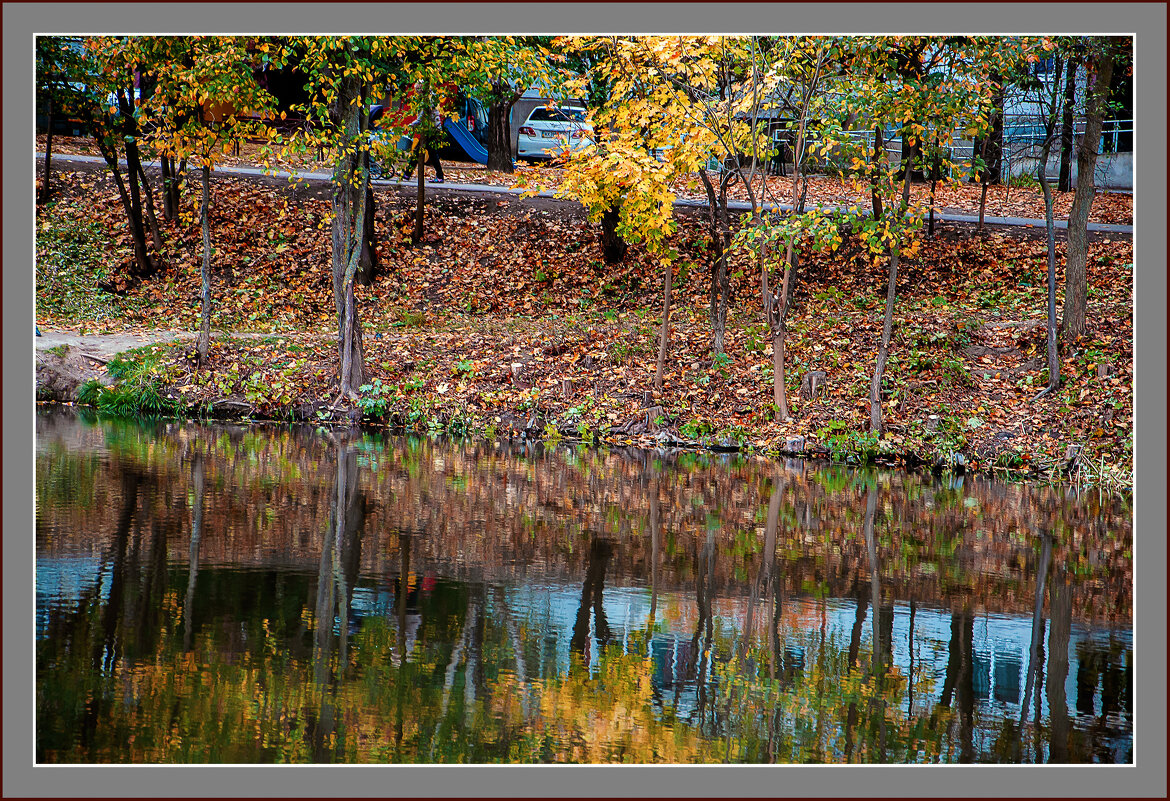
<point x="814" y="58"/>
<point x="421" y="75"/>
<point x="1064" y="182"/>
<point x="584" y="59"/>
<point x="722" y="86"/>
<point x="341" y="75"/>
<point x="1045" y="97"/>
<point x="1103" y="56"/>
<point x="715" y="92"/>
<point x="58" y="65"/>
<point x="206" y="96"/>
<point x="806" y="62"/>
<point x="987" y="146"/>
<point x="634" y="163"/>
<point x="496" y="71"/>
<point x="1049" y="226"/>
<point x="113" y="71"/>
<point x="927" y="88"/>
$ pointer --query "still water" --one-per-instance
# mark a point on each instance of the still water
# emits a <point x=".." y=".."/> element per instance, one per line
<point x="227" y="594"/>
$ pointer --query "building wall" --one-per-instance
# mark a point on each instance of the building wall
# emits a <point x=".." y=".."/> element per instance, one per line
<point x="1114" y="170"/>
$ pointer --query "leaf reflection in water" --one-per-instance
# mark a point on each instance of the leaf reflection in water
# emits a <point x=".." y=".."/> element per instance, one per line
<point x="227" y="595"/>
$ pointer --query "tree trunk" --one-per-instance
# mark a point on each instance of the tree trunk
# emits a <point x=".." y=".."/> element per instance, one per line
<point x="982" y="202"/>
<point x="368" y="263"/>
<point x="933" y="184"/>
<point x="664" y="337"/>
<point x="133" y="167"/>
<point x="353" y="355"/>
<point x="878" y="153"/>
<point x="613" y="247"/>
<point x="351" y="180"/>
<point x="993" y="148"/>
<point x="1066" y="127"/>
<point x="777" y="318"/>
<point x="143" y="264"/>
<point x="499" y="137"/>
<point x="1049" y="227"/>
<point x="205" y="272"/>
<point x="152" y="221"/>
<point x="777" y="312"/>
<point x="910" y="158"/>
<point x="172" y="184"/>
<point x="46" y="189"/>
<point x="722" y="280"/>
<point x="779" y="396"/>
<point x="935" y="177"/>
<point x="1099" y="75"/>
<point x="166" y="167"/>
<point x="720" y="287"/>
<point x="875" y="389"/>
<point x="420" y="205"/>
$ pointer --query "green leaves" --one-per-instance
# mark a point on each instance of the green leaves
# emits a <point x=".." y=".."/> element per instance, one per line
<point x="205" y="95"/>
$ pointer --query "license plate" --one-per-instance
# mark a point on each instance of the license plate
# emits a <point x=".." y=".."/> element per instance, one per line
<point x="553" y="135"/>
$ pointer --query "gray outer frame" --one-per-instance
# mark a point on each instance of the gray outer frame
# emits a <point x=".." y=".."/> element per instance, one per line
<point x="1147" y="778"/>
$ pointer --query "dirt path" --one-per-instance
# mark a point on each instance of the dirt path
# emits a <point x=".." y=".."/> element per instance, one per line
<point x="65" y="361"/>
<point x="106" y="346"/>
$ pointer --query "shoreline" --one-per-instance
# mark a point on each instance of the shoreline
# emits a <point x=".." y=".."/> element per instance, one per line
<point x="516" y="424"/>
<point x="483" y="327"/>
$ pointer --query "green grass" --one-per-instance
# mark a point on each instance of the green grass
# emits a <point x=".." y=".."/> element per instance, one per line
<point x="69" y="268"/>
<point x="90" y="392"/>
<point x="140" y="376"/>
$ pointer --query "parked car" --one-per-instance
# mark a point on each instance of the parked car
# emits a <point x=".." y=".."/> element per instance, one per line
<point x="548" y="132"/>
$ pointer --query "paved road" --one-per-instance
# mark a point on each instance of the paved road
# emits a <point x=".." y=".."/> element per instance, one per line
<point x="319" y="177"/>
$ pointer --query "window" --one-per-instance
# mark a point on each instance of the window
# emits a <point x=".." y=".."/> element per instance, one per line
<point x="1044" y="69"/>
<point x="557" y="115"/>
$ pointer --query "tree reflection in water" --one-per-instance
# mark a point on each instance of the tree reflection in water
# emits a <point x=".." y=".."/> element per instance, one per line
<point x="209" y="594"/>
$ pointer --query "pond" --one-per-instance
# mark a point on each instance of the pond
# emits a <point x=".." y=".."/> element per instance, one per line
<point x="213" y="593"/>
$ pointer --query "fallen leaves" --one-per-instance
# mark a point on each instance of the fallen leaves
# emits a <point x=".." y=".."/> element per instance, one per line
<point x="502" y="282"/>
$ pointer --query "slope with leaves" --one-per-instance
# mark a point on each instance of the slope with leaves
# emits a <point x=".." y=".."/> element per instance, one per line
<point x="489" y="290"/>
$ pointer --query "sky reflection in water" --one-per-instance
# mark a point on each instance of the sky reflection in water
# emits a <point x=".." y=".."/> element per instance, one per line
<point x="225" y="594"/>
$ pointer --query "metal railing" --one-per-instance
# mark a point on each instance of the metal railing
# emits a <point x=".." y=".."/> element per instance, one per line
<point x="1114" y="134"/>
<point x="1019" y="135"/>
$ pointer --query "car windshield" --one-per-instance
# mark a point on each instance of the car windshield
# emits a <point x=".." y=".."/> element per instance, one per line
<point x="557" y="115"/>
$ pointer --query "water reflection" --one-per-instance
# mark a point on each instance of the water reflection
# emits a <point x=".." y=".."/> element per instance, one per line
<point x="219" y="594"/>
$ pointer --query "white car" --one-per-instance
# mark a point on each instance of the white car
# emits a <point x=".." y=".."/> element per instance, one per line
<point x="548" y="132"/>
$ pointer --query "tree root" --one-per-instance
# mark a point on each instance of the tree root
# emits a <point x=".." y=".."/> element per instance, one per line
<point x="346" y="393"/>
<point x="1045" y="391"/>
